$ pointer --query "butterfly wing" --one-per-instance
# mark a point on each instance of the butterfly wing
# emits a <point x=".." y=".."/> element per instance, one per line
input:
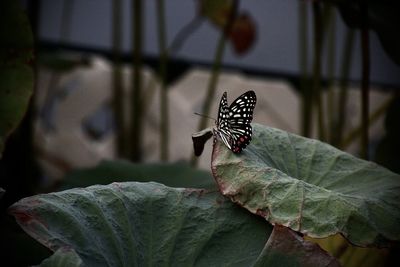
<point x="223" y="111"/>
<point x="233" y="123"/>
<point x="240" y="117"/>
<point x="223" y="121"/>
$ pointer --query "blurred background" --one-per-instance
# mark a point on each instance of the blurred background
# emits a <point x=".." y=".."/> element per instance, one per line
<point x="173" y="58"/>
<point x="274" y="25"/>
<point x="122" y="80"/>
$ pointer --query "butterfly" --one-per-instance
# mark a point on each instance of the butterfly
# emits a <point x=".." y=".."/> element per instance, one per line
<point x="233" y="123"/>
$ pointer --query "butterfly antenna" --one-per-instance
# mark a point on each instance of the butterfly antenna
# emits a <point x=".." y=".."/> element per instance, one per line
<point x="201" y="115"/>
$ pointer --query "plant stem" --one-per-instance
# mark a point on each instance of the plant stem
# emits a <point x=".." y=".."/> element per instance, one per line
<point x="317" y="68"/>
<point x="303" y="57"/>
<point x="184" y="33"/>
<point x="331" y="45"/>
<point x="164" y="134"/>
<point x="380" y="111"/>
<point x="118" y="106"/>
<point x="211" y="87"/>
<point x="346" y="63"/>
<point x="364" y="78"/>
<point x="216" y="70"/>
<point x="136" y="125"/>
<point x="213" y="81"/>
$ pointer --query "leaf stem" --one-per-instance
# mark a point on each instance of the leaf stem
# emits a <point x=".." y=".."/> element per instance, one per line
<point x="216" y="70"/>
<point x="364" y="78"/>
<point x="317" y="67"/>
<point x="346" y="63"/>
<point x="184" y="33"/>
<point x="331" y="50"/>
<point x="303" y="64"/>
<point x="118" y="106"/>
<point x="136" y="125"/>
<point x="380" y="111"/>
<point x="164" y="117"/>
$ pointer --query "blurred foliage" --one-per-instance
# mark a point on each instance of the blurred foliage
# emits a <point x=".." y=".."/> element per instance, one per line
<point x="175" y="175"/>
<point x="17" y="247"/>
<point x="243" y="32"/>
<point x="16" y="87"/>
<point x="383" y="18"/>
<point x="387" y="152"/>
<point x="16" y="75"/>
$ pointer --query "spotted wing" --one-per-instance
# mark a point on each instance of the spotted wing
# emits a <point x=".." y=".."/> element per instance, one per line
<point x="223" y="122"/>
<point x="240" y="116"/>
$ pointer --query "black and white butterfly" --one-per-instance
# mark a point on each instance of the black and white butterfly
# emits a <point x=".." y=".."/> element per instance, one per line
<point x="233" y="123"/>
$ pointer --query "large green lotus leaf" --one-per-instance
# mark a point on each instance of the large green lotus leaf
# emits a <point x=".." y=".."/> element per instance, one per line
<point x="63" y="257"/>
<point x="16" y="75"/>
<point x="283" y="242"/>
<point x="144" y="224"/>
<point x="311" y="187"/>
<point x="178" y="174"/>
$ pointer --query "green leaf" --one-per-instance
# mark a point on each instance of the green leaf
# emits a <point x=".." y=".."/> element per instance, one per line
<point x="144" y="224"/>
<point x="284" y="242"/>
<point x="16" y="75"/>
<point x="62" y="257"/>
<point x="311" y="187"/>
<point x="350" y="255"/>
<point x="174" y="175"/>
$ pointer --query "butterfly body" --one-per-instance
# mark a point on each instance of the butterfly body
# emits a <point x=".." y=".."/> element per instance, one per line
<point x="233" y="123"/>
